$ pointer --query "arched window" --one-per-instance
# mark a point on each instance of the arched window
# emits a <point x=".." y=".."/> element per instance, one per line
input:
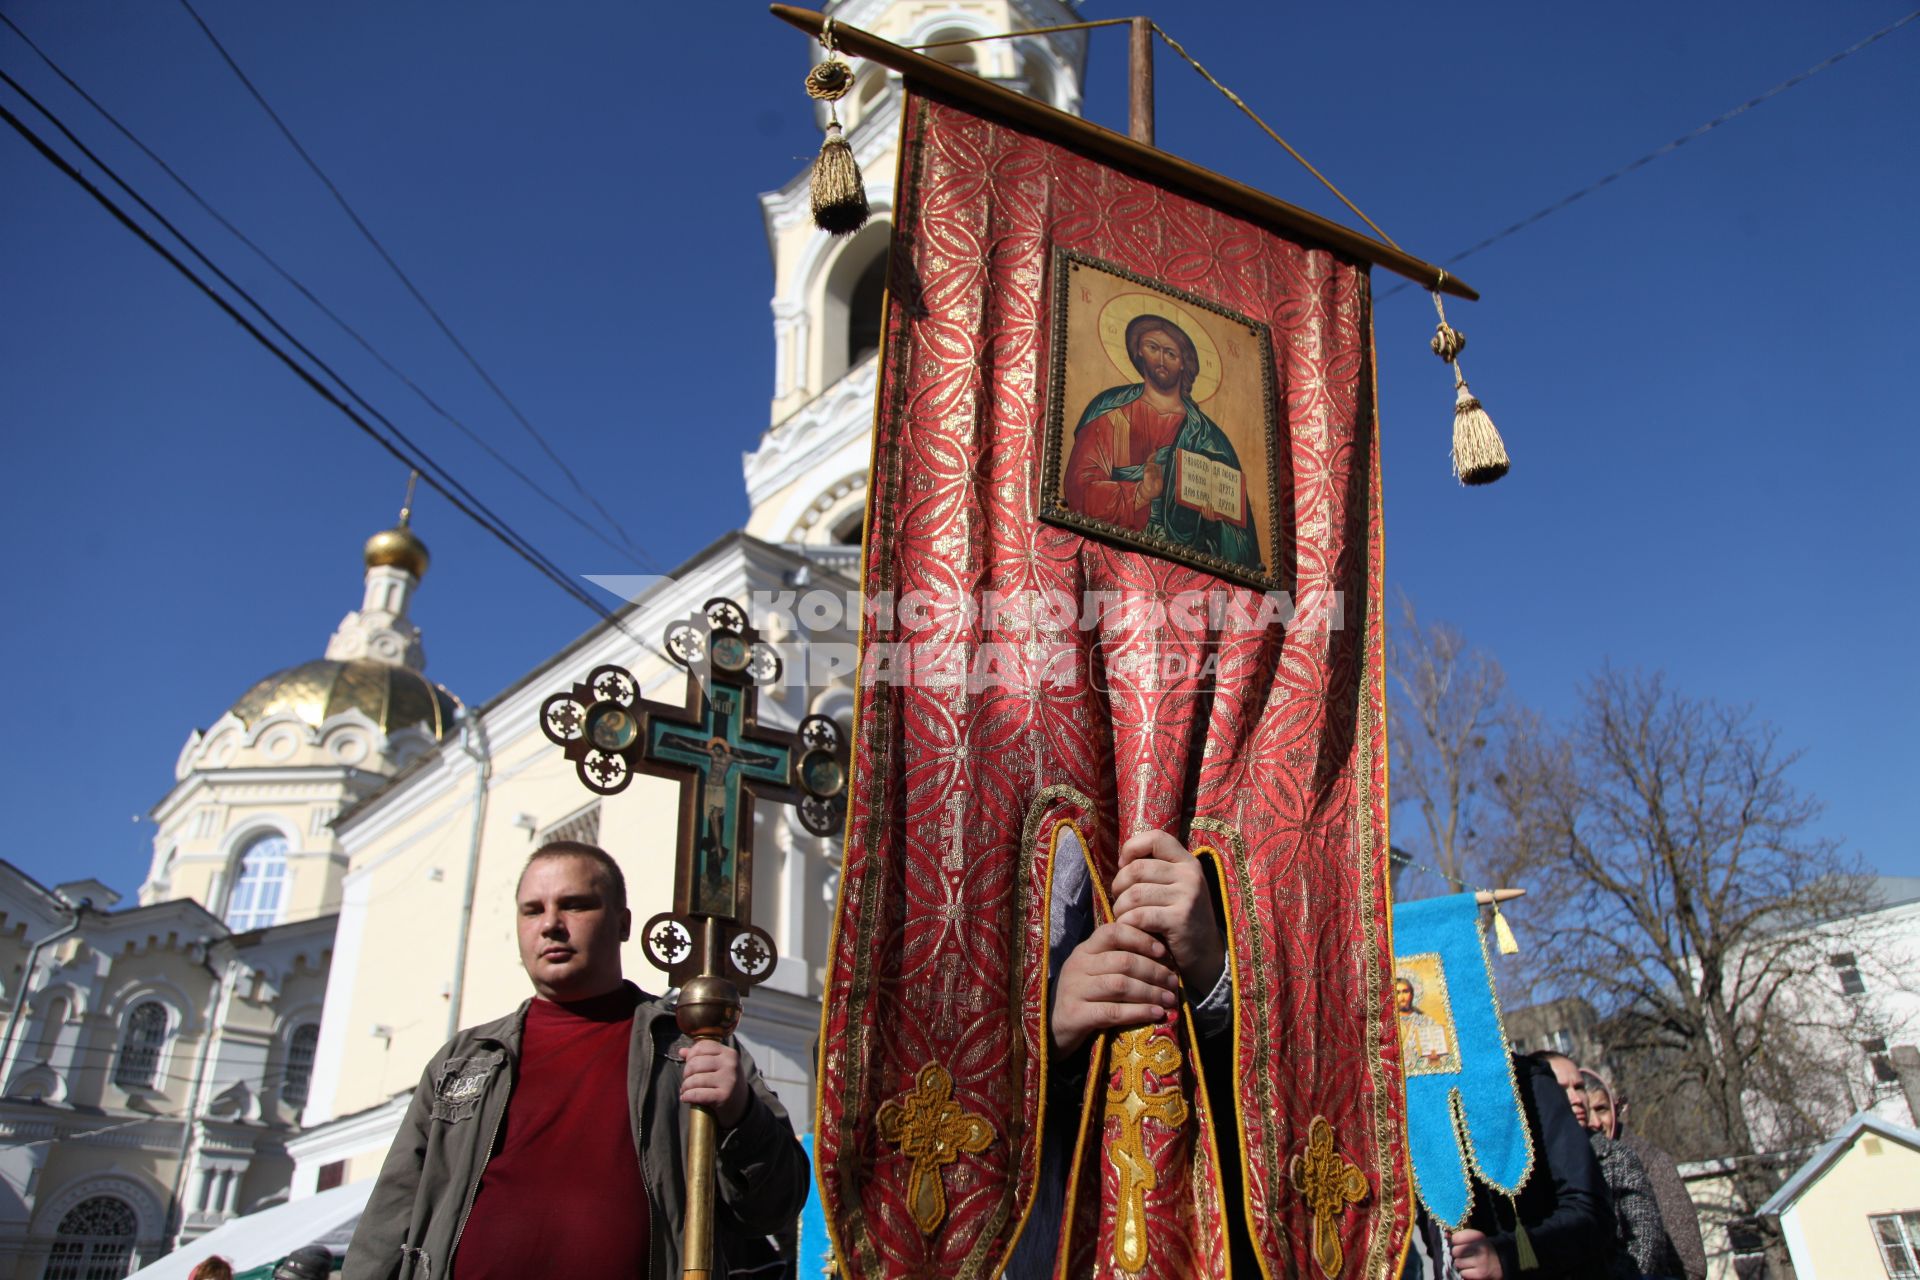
<point x="961" y="56"/>
<point x="145" y="1037"/>
<point x="254" y="902"/>
<point x="94" y="1242"/>
<point x="848" y="532"/>
<point x="850" y="307"/>
<point x="300" y="1051"/>
<point x="51" y="1023"/>
<point x="1033" y="69"/>
<point x="864" y="316"/>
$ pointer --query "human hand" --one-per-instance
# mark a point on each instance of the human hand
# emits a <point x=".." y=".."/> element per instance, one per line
<point x="711" y="1077"/>
<point x="1153" y="480"/>
<point x="1161" y="890"/>
<point x="1116" y="978"/>
<point x="1473" y="1257"/>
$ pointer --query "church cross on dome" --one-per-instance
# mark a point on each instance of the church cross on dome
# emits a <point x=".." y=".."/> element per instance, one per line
<point x="379" y="629"/>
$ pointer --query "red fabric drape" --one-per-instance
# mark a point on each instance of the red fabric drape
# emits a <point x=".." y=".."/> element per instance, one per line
<point x="1263" y="743"/>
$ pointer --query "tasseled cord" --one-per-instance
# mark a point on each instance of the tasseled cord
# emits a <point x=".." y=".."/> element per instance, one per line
<point x="1522" y="1245"/>
<point x="839" y="195"/>
<point x="1479" y="456"/>
<point x="1503" y="934"/>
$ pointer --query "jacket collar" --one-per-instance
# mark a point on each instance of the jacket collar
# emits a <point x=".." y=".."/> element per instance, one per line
<point x="509" y="1031"/>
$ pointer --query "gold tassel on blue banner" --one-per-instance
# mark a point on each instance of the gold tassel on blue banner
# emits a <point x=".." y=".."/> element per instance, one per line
<point x="1503" y="937"/>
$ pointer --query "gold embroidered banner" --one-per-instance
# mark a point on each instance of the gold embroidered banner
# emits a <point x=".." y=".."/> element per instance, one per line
<point x="1122" y="572"/>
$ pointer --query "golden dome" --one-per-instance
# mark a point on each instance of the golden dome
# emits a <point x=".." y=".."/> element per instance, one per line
<point x="400" y="548"/>
<point x="392" y="697"/>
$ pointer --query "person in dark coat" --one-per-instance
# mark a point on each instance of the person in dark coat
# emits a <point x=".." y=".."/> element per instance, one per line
<point x="1562" y="1207"/>
<point x="309" y="1262"/>
<point x="1642" y="1238"/>
<point x="1607" y="1107"/>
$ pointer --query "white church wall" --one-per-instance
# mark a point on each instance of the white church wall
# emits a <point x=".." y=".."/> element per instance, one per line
<point x="399" y="920"/>
<point x="408" y="847"/>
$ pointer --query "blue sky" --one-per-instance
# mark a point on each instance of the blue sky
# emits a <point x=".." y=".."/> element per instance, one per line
<point x="1703" y="371"/>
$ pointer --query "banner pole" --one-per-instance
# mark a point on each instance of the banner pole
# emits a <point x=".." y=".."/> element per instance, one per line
<point x="709" y="1009"/>
<point x="1140" y="81"/>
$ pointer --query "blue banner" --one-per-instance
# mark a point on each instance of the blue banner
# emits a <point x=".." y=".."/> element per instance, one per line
<point x="1463" y="1107"/>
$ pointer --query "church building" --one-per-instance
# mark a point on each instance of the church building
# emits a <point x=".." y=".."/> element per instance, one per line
<point x="426" y="939"/>
<point x="157" y="1057"/>
<point x="331" y="889"/>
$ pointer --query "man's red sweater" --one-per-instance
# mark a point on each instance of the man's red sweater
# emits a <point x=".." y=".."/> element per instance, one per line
<point x="563" y="1195"/>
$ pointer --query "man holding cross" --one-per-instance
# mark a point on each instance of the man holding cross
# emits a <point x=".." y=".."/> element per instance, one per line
<point x="550" y="1142"/>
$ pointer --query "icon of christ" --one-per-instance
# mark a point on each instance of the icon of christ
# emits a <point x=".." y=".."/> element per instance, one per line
<point x="1146" y="458"/>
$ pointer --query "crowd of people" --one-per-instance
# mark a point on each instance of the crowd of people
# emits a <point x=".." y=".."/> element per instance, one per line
<point x="1602" y="1202"/>
<point x="550" y="1141"/>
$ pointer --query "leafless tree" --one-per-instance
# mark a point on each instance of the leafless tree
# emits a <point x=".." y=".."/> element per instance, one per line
<point x="1447" y="723"/>
<point x="1677" y="881"/>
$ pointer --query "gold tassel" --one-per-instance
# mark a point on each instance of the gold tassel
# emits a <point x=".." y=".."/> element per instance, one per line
<point x="839" y="194"/>
<point x="1479" y="455"/>
<point x="1522" y="1246"/>
<point x="1503" y="938"/>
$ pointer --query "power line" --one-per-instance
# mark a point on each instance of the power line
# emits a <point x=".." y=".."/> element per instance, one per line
<point x="323" y="308"/>
<point x="423" y="462"/>
<point x="310" y="297"/>
<point x="407" y="281"/>
<point x="161" y="218"/>
<point x="1681" y="141"/>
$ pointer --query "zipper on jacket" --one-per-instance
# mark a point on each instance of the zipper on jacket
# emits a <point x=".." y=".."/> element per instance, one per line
<point x="473" y="1192"/>
<point x="640" y="1107"/>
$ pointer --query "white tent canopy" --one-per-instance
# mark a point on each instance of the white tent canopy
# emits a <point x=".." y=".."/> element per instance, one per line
<point x="259" y="1238"/>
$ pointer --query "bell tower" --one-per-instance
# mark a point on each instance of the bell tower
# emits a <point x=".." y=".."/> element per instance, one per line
<point x="807" y="479"/>
<point x="380" y="629"/>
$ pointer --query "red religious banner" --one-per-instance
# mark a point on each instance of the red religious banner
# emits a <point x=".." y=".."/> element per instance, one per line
<point x="1123" y="574"/>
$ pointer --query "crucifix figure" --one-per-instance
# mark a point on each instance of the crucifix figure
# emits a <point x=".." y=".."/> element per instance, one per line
<point x="724" y="759"/>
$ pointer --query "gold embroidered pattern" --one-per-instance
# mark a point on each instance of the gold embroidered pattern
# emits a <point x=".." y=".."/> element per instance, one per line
<point x="1328" y="1182"/>
<point x="1134" y="1054"/>
<point x="933" y="1131"/>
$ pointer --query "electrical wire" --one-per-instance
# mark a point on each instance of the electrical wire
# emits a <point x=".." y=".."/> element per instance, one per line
<point x="419" y="297"/>
<point x="424" y="462"/>
<point x="323" y="308"/>
<point x="1671" y="147"/>
<point x="262" y="311"/>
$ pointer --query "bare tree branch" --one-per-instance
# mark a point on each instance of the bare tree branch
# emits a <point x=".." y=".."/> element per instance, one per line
<point x="1683" y="891"/>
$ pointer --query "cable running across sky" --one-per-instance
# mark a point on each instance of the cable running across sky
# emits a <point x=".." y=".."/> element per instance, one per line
<point x="413" y="289"/>
<point x="436" y="476"/>
<point x="1676" y="144"/>
<point x="570" y="512"/>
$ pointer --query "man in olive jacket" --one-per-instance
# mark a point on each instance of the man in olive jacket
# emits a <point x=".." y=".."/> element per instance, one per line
<point x="550" y="1142"/>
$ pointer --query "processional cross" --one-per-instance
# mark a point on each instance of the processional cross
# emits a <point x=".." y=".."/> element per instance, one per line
<point x="724" y="759"/>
